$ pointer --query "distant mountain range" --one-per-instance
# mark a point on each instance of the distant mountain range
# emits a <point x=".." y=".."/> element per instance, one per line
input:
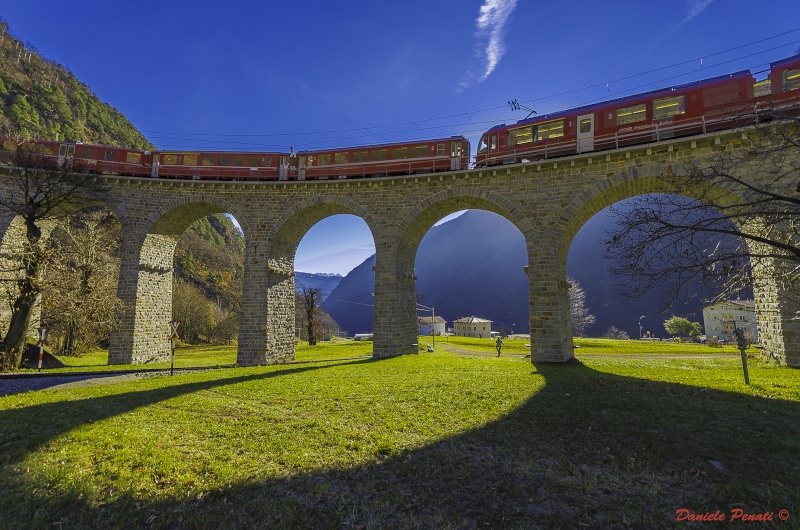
<point x="325" y="282"/>
<point x="473" y="265"/>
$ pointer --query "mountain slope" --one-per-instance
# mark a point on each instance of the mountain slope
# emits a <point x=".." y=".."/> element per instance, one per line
<point x="42" y="99"/>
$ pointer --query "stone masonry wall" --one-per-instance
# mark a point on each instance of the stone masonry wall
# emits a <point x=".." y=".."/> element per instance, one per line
<point x="548" y="201"/>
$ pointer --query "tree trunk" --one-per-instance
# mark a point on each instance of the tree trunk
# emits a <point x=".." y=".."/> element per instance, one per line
<point x="29" y="290"/>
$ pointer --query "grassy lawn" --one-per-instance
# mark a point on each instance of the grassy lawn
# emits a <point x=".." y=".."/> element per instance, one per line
<point x="587" y="346"/>
<point x="434" y="440"/>
<point x="193" y="356"/>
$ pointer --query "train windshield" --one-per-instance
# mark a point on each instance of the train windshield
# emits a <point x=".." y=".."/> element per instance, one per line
<point x="482" y="145"/>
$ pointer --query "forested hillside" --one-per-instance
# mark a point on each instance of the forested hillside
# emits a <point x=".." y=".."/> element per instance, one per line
<point x="210" y="256"/>
<point x="42" y="99"/>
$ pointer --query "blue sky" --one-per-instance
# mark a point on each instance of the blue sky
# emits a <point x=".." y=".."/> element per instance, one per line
<point x="244" y="75"/>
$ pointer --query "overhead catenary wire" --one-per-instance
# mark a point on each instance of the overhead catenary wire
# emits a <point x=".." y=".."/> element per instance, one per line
<point x="374" y="130"/>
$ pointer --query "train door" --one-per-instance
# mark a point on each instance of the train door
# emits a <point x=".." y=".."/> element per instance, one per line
<point x="283" y="168"/>
<point x="455" y="156"/>
<point x="585" y="133"/>
<point x="301" y="168"/>
<point x="66" y="155"/>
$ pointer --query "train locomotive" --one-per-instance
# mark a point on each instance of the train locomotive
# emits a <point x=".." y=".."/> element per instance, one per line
<point x="719" y="103"/>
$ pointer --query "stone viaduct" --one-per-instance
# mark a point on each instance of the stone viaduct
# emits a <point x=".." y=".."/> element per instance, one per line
<point x="548" y="201"/>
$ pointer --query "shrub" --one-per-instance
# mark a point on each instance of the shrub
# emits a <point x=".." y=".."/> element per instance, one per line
<point x="615" y="333"/>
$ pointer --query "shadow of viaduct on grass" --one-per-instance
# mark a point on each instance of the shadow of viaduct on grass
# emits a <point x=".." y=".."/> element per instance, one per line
<point x="625" y="457"/>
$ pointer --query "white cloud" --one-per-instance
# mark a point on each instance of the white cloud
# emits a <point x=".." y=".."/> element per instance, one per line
<point x="491" y="27"/>
<point x="492" y="22"/>
<point x="695" y="8"/>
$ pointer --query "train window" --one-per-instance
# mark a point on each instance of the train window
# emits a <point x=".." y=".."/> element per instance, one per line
<point x="9" y="145"/>
<point x="223" y="160"/>
<point x="323" y="160"/>
<point x="399" y="152"/>
<point x="238" y="161"/>
<point x="109" y="155"/>
<point x="523" y="135"/>
<point x="585" y="126"/>
<point x="553" y="129"/>
<point x="255" y="161"/>
<point x="762" y="88"/>
<point x="631" y="114"/>
<point x="87" y="152"/>
<point x="482" y="146"/>
<point x="493" y="142"/>
<point x="189" y="160"/>
<point x="360" y="156"/>
<point x="666" y="107"/>
<point x="791" y="79"/>
<point x="340" y="158"/>
<point x="439" y="149"/>
<point x="208" y="160"/>
<point x="133" y="158"/>
<point x="419" y="151"/>
<point x="267" y="161"/>
<point x="379" y="154"/>
<point x="44" y="149"/>
<point x="169" y="159"/>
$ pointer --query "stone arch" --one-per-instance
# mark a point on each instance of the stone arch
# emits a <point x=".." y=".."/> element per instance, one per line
<point x="624" y="185"/>
<point x="395" y="283"/>
<point x="293" y="224"/>
<point x="276" y="321"/>
<point x="423" y="215"/>
<point x="145" y="284"/>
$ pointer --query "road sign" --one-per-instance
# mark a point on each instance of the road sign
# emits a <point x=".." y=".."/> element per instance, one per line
<point x="174" y="325"/>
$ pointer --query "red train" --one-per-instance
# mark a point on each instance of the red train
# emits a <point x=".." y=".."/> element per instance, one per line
<point x="719" y="103"/>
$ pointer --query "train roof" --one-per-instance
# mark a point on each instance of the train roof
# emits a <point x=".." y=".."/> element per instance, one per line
<point x="372" y="146"/>
<point x="625" y="99"/>
<point x="782" y="62"/>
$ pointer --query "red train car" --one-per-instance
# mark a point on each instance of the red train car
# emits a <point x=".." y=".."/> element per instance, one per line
<point x="713" y="104"/>
<point x="423" y="156"/>
<point x="221" y="165"/>
<point x="105" y="160"/>
<point x="86" y="157"/>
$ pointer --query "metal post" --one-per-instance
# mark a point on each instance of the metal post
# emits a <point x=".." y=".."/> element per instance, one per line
<point x="173" y="324"/>
<point x="42" y="336"/>
<point x="742" y="343"/>
<point x="433" y="328"/>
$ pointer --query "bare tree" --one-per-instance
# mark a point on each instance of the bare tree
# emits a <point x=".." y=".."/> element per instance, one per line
<point x="578" y="312"/>
<point x="37" y="191"/>
<point x="311" y="305"/>
<point x="192" y="308"/>
<point x="739" y="229"/>
<point x="80" y="301"/>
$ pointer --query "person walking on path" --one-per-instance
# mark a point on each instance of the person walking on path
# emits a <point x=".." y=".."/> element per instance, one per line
<point x="499" y="343"/>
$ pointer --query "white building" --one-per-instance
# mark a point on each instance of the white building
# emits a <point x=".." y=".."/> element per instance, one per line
<point x="472" y="327"/>
<point x="428" y="324"/>
<point x="722" y="318"/>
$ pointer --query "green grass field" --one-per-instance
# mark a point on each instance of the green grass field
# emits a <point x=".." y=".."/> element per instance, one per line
<point x="196" y="356"/>
<point x="435" y="440"/>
